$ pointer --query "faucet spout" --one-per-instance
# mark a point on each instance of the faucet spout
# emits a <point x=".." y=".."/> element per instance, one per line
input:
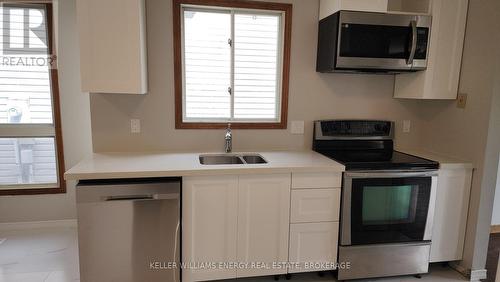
<point x="229" y="139"/>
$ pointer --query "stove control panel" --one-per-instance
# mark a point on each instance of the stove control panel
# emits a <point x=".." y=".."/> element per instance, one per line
<point x="353" y="129"/>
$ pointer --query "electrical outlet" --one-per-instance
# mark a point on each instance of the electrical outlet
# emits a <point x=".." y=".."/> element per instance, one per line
<point x="406" y="126"/>
<point x="461" y="100"/>
<point x="135" y="126"/>
<point x="297" y="127"/>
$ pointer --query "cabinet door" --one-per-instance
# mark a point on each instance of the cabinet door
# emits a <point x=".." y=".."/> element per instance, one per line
<point x="263" y="222"/>
<point x="209" y="225"/>
<point x="450" y="215"/>
<point x="440" y="80"/>
<point x="112" y="46"/>
<point x="313" y="243"/>
<point x="328" y="7"/>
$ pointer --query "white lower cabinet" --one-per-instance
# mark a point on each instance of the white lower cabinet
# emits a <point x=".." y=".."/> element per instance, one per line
<point x="229" y="219"/>
<point x="313" y="246"/>
<point x="209" y="226"/>
<point x="314" y="221"/>
<point x="263" y="223"/>
<point x="450" y="215"/>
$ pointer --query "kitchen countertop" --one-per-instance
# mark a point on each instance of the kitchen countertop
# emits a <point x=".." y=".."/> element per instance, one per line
<point x="444" y="161"/>
<point x="167" y="164"/>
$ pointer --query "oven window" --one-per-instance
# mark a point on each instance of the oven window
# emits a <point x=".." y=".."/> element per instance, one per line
<point x="389" y="210"/>
<point x="388" y="204"/>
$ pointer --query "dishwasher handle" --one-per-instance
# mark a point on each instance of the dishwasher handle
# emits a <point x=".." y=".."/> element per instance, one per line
<point x="170" y="196"/>
<point x="128" y="198"/>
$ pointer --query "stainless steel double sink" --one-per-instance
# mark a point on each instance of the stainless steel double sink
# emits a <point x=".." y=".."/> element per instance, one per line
<point x="231" y="159"/>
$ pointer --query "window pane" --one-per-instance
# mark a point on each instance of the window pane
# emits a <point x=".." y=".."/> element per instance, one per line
<point x="207" y="64"/>
<point x="27" y="161"/>
<point x="256" y="66"/>
<point x="25" y="89"/>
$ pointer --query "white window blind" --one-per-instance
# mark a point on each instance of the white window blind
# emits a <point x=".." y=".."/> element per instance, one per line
<point x="27" y="139"/>
<point x="207" y="64"/>
<point x="232" y="65"/>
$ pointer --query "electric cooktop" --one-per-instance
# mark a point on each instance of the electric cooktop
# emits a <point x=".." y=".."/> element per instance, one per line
<point x="364" y="145"/>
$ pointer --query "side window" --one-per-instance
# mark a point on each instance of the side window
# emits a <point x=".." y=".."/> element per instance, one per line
<point x="31" y="158"/>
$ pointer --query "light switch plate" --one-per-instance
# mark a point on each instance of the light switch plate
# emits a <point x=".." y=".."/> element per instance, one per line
<point x="135" y="126"/>
<point x="297" y="127"/>
<point x="406" y="126"/>
<point x="461" y="100"/>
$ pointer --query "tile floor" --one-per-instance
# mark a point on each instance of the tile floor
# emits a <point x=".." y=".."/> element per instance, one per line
<point x="51" y="255"/>
<point x="39" y="255"/>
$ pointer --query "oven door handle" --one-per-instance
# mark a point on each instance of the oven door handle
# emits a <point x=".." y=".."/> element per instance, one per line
<point x="392" y="174"/>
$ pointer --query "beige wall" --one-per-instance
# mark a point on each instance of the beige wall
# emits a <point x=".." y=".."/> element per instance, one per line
<point x="75" y="126"/>
<point x="464" y="132"/>
<point x="312" y="96"/>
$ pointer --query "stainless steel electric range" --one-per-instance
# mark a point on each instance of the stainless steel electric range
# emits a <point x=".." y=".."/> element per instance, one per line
<point x="388" y="199"/>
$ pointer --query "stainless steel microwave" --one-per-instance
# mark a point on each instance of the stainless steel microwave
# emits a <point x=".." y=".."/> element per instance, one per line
<point x="351" y="41"/>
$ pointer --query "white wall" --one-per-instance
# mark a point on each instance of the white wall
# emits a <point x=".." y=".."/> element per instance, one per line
<point x="75" y="127"/>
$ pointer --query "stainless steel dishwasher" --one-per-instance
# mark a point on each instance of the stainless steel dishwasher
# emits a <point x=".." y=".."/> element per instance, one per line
<point x="129" y="230"/>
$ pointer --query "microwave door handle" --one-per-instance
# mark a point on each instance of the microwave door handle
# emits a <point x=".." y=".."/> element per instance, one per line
<point x="413" y="24"/>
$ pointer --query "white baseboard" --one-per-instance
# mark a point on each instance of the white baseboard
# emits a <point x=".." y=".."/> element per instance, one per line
<point x="9" y="226"/>
<point x="477" y="275"/>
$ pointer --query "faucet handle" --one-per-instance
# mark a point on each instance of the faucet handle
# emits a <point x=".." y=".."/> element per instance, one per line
<point x="229" y="125"/>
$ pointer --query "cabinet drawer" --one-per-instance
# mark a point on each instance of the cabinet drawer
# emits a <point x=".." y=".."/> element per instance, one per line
<point x="313" y="243"/>
<point x="316" y="180"/>
<point x="315" y="205"/>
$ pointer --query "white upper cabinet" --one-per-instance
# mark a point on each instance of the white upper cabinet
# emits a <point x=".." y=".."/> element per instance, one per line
<point x="441" y="79"/>
<point x="112" y="37"/>
<point x="409" y="6"/>
<point x="328" y="7"/>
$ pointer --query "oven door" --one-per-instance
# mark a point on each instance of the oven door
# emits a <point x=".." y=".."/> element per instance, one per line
<point x="383" y="41"/>
<point x="387" y="207"/>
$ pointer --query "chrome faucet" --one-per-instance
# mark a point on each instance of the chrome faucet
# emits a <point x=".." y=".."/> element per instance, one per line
<point x="229" y="139"/>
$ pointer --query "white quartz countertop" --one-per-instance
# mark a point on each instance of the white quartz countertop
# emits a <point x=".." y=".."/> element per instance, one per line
<point x="445" y="162"/>
<point x="165" y="164"/>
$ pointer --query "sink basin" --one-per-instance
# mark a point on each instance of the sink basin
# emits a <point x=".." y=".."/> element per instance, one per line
<point x="228" y="159"/>
<point x="254" y="159"/>
<point x="220" y="159"/>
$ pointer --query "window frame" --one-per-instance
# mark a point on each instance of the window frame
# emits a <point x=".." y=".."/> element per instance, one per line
<point x="53" y="130"/>
<point x="284" y="63"/>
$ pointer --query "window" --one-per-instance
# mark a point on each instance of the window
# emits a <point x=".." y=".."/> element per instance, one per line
<point x="31" y="160"/>
<point x="231" y="63"/>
